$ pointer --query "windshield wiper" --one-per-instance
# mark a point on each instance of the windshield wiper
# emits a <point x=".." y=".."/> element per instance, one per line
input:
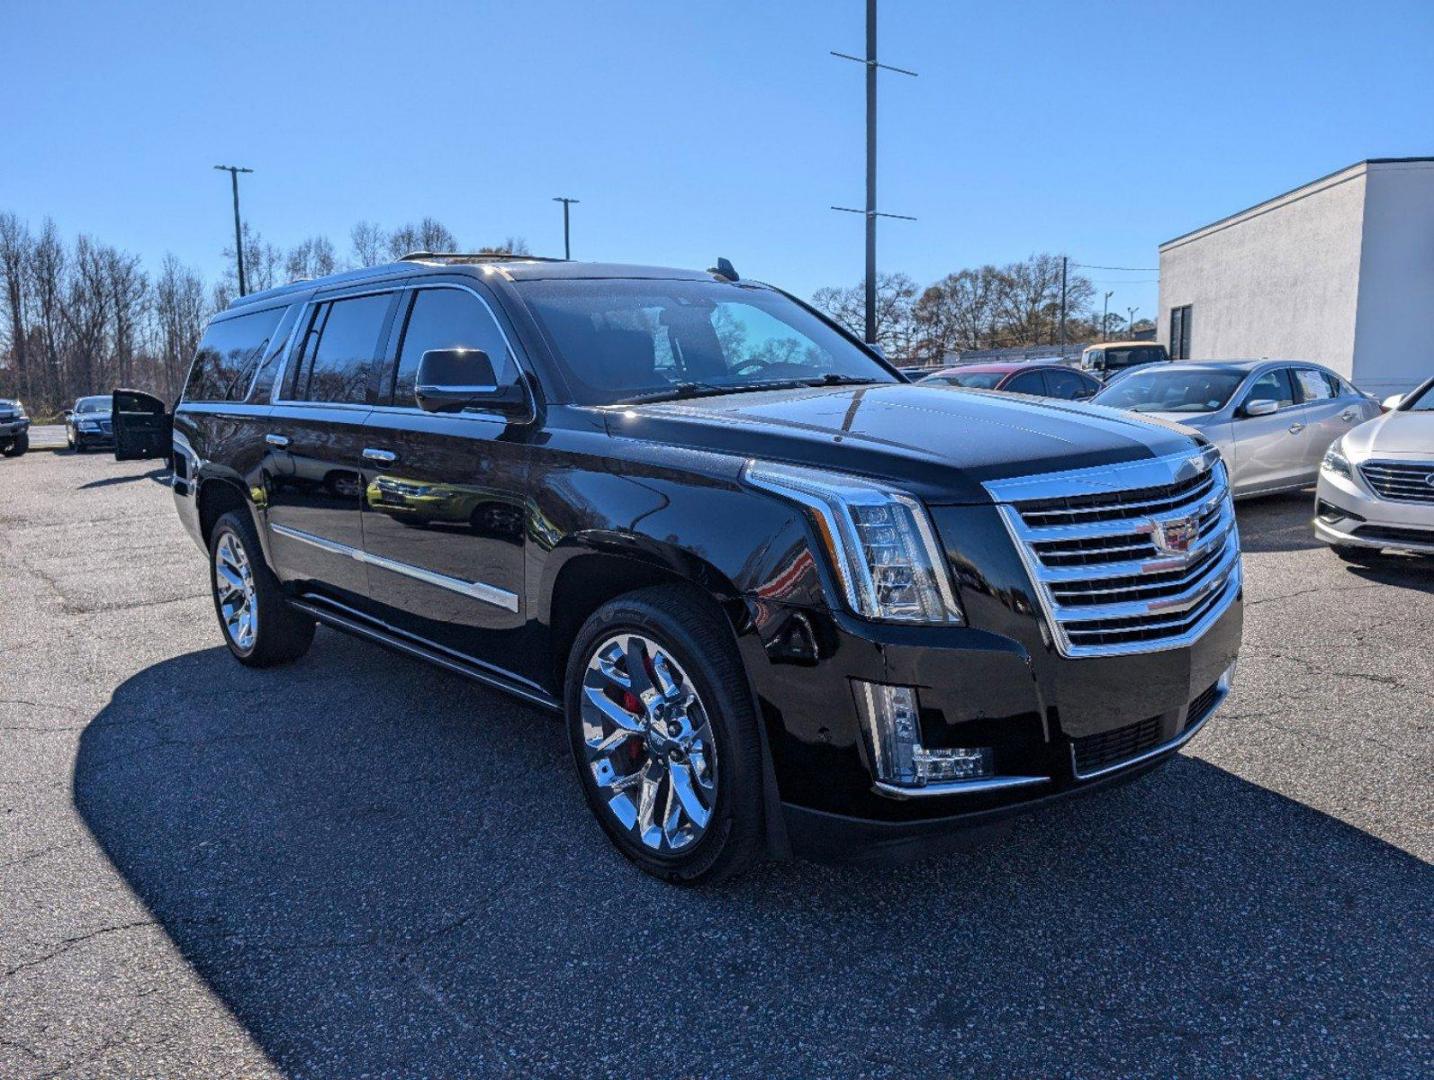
<point x="832" y="378"/>
<point x="683" y="390"/>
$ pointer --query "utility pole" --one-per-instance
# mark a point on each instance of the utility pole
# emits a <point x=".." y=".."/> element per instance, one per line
<point x="871" y="213"/>
<point x="1064" y="260"/>
<point x="234" y="171"/>
<point x="567" y="245"/>
<point x="1130" y="326"/>
<point x="1105" y="317"/>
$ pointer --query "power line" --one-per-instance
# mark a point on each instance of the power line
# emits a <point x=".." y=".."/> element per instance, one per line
<point x="1134" y="269"/>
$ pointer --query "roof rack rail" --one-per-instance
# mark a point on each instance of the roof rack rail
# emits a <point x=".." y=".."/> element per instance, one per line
<point x="475" y="256"/>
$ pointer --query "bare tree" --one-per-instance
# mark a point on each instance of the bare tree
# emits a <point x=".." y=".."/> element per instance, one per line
<point x="179" y="312"/>
<point x="430" y="234"/>
<point x="128" y="295"/>
<point x="895" y="297"/>
<point x="511" y="245"/>
<point x="312" y="258"/>
<point x="47" y="272"/>
<point x="368" y="244"/>
<point x="958" y="312"/>
<point x="15" y="250"/>
<point x="262" y="263"/>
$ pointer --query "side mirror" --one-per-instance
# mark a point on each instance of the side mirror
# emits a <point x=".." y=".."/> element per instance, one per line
<point x="1391" y="403"/>
<point x="1264" y="407"/>
<point x="451" y="380"/>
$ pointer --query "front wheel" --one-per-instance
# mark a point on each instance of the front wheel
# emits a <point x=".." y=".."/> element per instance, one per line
<point x="664" y="735"/>
<point x="18" y="445"/>
<point x="259" y="627"/>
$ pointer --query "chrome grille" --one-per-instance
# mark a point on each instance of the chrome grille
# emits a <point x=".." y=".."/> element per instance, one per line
<point x="1400" y="481"/>
<point x="1102" y="547"/>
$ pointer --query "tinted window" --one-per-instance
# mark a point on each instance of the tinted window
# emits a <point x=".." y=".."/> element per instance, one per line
<point x="1180" y="333"/>
<point x="98" y="404"/>
<point x="1068" y="385"/>
<point x="339" y="356"/>
<point x="1172" y="390"/>
<point x="447" y="319"/>
<point x="1115" y="359"/>
<point x="620" y="339"/>
<point x="1336" y="388"/>
<point x="228" y="354"/>
<point x="977" y="380"/>
<point x="1273" y="386"/>
<point x="1028" y="382"/>
<point x="1313" y="384"/>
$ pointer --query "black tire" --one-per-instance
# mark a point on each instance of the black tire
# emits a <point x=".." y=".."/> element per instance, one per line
<point x="18" y="445"/>
<point x="280" y="634"/>
<point x="685" y="623"/>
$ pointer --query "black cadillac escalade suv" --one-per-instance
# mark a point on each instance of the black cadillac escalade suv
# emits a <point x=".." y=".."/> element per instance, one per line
<point x="782" y="598"/>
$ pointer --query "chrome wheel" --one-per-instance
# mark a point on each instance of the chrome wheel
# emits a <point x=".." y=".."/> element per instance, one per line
<point x="648" y="743"/>
<point x="234" y="585"/>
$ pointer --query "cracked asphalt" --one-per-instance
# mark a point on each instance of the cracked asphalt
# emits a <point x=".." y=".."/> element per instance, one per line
<point x="361" y="866"/>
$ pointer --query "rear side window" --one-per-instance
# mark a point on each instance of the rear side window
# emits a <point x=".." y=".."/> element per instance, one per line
<point x="1068" y="385"/>
<point x="1313" y="385"/>
<point x="1028" y="382"/>
<point x="447" y="319"/>
<point x="228" y="355"/>
<point x="340" y="349"/>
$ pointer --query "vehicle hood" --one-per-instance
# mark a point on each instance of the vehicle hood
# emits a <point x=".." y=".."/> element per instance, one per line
<point x="1409" y="433"/>
<point x="937" y="442"/>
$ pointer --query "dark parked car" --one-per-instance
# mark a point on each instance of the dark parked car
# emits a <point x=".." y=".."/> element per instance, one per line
<point x="89" y="423"/>
<point x="1036" y="380"/>
<point x="14" y="428"/>
<point x="782" y="598"/>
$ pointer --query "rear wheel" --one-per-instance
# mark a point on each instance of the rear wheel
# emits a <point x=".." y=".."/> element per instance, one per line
<point x="18" y="445"/>
<point x="664" y="735"/>
<point x="259" y="627"/>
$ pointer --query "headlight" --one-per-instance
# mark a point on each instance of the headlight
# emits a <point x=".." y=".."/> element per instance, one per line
<point x="1335" y="461"/>
<point x="881" y="542"/>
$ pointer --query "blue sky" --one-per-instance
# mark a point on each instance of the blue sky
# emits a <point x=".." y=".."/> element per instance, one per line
<point x="693" y="130"/>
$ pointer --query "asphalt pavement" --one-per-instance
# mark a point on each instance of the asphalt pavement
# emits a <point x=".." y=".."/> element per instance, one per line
<point x="363" y="866"/>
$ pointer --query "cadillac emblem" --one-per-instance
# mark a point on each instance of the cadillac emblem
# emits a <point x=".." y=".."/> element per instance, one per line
<point x="1174" y="537"/>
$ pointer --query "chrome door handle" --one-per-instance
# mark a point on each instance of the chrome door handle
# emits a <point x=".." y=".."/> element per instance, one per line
<point x="385" y="457"/>
<point x="1296" y="428"/>
<point x="280" y="441"/>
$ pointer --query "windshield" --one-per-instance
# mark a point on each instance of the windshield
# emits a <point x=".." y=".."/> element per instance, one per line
<point x="93" y="404"/>
<point x="621" y="340"/>
<point x="1188" y="390"/>
<point x="976" y="380"/>
<point x="1130" y="357"/>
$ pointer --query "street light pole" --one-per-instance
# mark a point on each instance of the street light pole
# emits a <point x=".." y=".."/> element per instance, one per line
<point x="1105" y="317"/>
<point x="1130" y="326"/>
<point x="871" y="213"/>
<point x="234" y="171"/>
<point x="1064" y="260"/>
<point x="567" y="245"/>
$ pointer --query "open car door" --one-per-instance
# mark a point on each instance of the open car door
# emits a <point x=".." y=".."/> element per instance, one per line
<point x="142" y="425"/>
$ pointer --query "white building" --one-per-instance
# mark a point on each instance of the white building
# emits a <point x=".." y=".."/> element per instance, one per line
<point x="1339" y="271"/>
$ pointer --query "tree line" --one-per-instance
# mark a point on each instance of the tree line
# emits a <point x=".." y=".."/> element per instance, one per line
<point x="82" y="317"/>
<point x="988" y="307"/>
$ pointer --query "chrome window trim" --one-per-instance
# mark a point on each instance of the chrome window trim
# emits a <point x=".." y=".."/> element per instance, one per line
<point x="1222" y="579"/>
<point x="309" y="304"/>
<point x="489" y="418"/>
<point x="476" y="590"/>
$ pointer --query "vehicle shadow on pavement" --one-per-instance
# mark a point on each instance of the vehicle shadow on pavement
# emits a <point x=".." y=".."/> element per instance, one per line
<point x="1277" y="522"/>
<point x="381" y="869"/>
<point x="159" y="476"/>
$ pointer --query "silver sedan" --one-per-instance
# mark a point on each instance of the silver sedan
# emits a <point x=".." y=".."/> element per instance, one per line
<point x="1272" y="420"/>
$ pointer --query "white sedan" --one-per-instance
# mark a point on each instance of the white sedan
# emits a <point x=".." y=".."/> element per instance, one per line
<point x="1376" y="484"/>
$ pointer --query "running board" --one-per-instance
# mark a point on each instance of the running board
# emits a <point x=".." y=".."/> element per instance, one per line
<point x="399" y="642"/>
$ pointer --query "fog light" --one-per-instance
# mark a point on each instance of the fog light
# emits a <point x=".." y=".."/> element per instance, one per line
<point x="892" y="720"/>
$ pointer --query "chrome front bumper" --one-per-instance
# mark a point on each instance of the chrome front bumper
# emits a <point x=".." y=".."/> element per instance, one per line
<point x="1368" y="519"/>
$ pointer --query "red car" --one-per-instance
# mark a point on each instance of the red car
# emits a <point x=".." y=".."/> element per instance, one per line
<point x="1037" y="380"/>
